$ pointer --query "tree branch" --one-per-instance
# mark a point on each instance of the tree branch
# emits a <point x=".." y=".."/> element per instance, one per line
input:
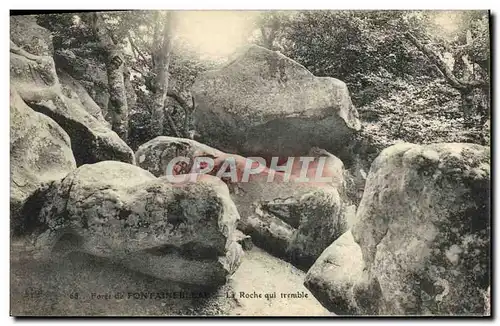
<point x="443" y="67"/>
<point x="188" y="109"/>
<point x="138" y="51"/>
<point x="440" y="64"/>
<point x="171" y="123"/>
<point x="139" y="71"/>
<point x="184" y="104"/>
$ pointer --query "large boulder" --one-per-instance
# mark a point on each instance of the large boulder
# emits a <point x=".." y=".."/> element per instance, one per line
<point x="91" y="74"/>
<point x="40" y="151"/>
<point x="334" y="274"/>
<point x="74" y="90"/>
<point x="299" y="229"/>
<point x="265" y="104"/>
<point x="182" y="232"/>
<point x="291" y="219"/>
<point x="31" y="37"/>
<point x="34" y="76"/>
<point x="258" y="189"/>
<point x="38" y="85"/>
<point x="155" y="154"/>
<point x="423" y="231"/>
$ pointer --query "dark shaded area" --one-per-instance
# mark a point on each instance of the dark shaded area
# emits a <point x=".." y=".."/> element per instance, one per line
<point x="191" y="250"/>
<point x="337" y="304"/>
<point x="29" y="221"/>
<point x="87" y="148"/>
<point x="84" y="285"/>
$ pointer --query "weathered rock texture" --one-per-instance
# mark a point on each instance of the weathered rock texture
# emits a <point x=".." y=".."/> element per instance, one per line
<point x="332" y="278"/>
<point x="31" y="37"/>
<point x="423" y="236"/>
<point x="299" y="229"/>
<point x="119" y="211"/>
<point x="155" y="155"/>
<point x="293" y="220"/>
<point x="40" y="151"/>
<point x="35" y="78"/>
<point x="89" y="73"/>
<point x="265" y="104"/>
<point x="74" y="91"/>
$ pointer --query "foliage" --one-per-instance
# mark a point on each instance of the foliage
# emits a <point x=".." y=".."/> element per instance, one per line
<point x="400" y="92"/>
<point x="134" y="31"/>
<point x="406" y="89"/>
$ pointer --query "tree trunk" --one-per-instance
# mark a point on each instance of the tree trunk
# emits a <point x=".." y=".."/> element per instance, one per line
<point x="117" y="98"/>
<point x="471" y="90"/>
<point x="475" y="106"/>
<point x="467" y="97"/>
<point x="129" y="89"/>
<point x="161" y="61"/>
<point x="117" y="106"/>
<point x="272" y="27"/>
<point x="188" y="112"/>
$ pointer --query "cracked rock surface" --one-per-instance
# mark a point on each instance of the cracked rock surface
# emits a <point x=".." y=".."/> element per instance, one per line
<point x="265" y="104"/>
<point x="420" y="244"/>
<point x="121" y="212"/>
<point x="40" y="151"/>
<point x="33" y="74"/>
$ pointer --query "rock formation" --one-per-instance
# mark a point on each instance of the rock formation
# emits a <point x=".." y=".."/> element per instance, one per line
<point x="293" y="220"/>
<point x="155" y="155"/>
<point x="40" y="151"/>
<point x="118" y="211"/>
<point x="421" y="242"/>
<point x="35" y="78"/>
<point x="265" y="104"/>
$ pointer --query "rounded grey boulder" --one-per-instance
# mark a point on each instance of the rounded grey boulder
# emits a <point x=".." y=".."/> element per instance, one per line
<point x="265" y="104"/>
<point x="183" y="232"/>
<point x="421" y="243"/>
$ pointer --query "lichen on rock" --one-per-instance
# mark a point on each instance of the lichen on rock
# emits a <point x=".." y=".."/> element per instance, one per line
<point x="423" y="233"/>
<point x="124" y="213"/>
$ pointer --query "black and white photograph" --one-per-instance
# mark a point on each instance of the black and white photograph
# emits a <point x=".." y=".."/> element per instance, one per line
<point x="250" y="163"/>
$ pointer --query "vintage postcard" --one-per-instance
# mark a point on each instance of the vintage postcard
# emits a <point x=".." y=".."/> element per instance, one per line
<point x="250" y="163"/>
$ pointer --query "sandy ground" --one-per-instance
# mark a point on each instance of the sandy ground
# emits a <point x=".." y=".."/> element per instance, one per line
<point x="82" y="285"/>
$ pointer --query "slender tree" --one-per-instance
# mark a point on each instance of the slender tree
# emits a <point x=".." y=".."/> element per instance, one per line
<point x="467" y="85"/>
<point x="117" y="106"/>
<point x="161" y="53"/>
